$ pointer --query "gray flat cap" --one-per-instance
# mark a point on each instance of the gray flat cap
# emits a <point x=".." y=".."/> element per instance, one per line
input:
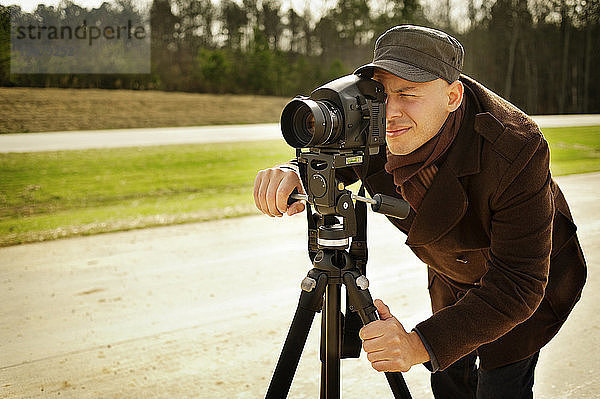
<point x="417" y="54"/>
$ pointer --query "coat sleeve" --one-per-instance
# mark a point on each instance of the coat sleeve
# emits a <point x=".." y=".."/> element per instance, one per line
<point x="517" y="267"/>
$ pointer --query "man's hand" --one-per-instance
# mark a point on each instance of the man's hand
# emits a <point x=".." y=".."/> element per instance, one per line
<point x="273" y="187"/>
<point x="389" y="347"/>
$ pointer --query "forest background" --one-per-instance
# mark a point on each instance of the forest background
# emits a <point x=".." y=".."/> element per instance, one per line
<point x="542" y="55"/>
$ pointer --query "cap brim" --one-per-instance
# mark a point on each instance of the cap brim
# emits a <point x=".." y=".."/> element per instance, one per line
<point x="400" y="69"/>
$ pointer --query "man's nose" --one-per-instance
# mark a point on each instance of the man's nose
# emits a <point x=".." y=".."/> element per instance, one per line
<point x="393" y="109"/>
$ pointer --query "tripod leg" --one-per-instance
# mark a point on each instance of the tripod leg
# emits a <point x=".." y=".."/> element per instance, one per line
<point x="360" y="299"/>
<point x="323" y="355"/>
<point x="310" y="302"/>
<point x="330" y="385"/>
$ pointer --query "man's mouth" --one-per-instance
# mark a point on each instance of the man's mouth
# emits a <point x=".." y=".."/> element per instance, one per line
<point x="396" y="132"/>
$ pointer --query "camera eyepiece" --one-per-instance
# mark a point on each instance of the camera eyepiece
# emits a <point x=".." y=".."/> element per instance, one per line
<point x="306" y="122"/>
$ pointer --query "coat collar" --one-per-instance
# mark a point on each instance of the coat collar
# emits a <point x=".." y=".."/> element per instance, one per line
<point x="446" y="201"/>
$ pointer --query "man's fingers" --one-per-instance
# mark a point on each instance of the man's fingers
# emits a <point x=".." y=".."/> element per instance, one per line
<point x="265" y="188"/>
<point x="295" y="208"/>
<point x="271" y="195"/>
<point x="286" y="186"/>
<point x="382" y="309"/>
<point x="389" y="365"/>
<point x="378" y="356"/>
<point x="372" y="330"/>
<point x="373" y="345"/>
<point x="260" y="189"/>
<point x="383" y="365"/>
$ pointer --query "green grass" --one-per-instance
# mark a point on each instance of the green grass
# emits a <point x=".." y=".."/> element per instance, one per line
<point x="574" y="149"/>
<point x="49" y="195"/>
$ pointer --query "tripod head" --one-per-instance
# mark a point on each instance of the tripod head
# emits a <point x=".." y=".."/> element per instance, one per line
<point x="330" y="198"/>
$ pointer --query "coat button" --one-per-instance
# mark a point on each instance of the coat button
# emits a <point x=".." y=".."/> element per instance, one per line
<point x="460" y="294"/>
<point x="460" y="259"/>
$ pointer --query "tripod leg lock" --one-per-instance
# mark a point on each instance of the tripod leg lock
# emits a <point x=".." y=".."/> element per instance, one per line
<point x="362" y="282"/>
<point x="313" y="288"/>
<point x="308" y="284"/>
<point x="360" y="297"/>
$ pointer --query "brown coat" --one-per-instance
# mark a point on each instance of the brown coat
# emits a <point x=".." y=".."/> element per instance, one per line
<point x="505" y="266"/>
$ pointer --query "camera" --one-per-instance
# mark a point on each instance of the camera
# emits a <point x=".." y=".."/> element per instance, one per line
<point x="340" y="125"/>
<point x="345" y="114"/>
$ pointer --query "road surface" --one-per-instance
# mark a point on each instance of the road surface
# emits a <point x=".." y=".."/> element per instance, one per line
<point x="201" y="310"/>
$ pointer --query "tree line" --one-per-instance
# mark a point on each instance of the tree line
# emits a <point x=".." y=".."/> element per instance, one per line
<point x="539" y="54"/>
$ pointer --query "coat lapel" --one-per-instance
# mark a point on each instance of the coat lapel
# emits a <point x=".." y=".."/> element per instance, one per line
<point x="444" y="204"/>
<point x="446" y="201"/>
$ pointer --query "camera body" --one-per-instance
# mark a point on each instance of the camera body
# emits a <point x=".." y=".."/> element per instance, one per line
<point x="347" y="113"/>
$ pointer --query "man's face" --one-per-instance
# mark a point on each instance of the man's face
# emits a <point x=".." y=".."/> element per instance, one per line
<point x="415" y="112"/>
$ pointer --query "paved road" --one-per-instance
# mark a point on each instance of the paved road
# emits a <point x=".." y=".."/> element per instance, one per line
<point x="184" y="135"/>
<point x="77" y="140"/>
<point x="201" y="310"/>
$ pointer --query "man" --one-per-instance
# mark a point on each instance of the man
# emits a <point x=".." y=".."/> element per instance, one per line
<point x="504" y="263"/>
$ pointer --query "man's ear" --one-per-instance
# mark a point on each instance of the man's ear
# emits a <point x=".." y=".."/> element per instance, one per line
<point x="455" y="95"/>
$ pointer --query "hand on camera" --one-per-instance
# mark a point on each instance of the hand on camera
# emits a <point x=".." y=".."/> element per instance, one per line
<point x="272" y="189"/>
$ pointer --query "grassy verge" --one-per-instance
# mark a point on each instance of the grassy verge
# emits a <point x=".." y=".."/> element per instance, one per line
<point x="50" y="195"/>
<point x="574" y="149"/>
<point x="41" y="110"/>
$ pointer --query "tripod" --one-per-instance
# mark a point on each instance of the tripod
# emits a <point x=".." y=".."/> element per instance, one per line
<point x="333" y="267"/>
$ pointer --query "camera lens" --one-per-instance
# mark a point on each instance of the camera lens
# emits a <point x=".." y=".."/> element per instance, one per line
<point x="309" y="123"/>
<point x="306" y="122"/>
<point x="301" y="130"/>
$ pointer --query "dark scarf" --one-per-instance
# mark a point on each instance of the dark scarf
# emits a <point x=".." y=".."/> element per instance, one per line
<point x="414" y="172"/>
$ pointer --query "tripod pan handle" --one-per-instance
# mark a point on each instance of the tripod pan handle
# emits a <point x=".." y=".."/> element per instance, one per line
<point x="391" y="206"/>
<point x="296" y="196"/>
